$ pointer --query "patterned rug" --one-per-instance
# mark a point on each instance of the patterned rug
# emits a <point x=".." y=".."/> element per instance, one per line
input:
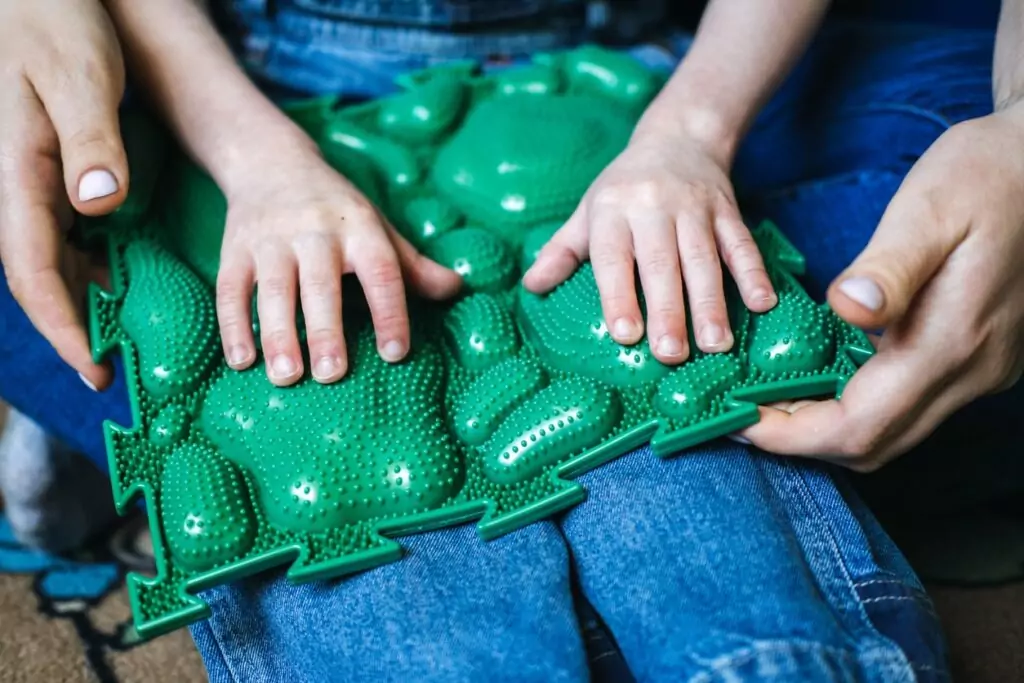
<point x="66" y="619"/>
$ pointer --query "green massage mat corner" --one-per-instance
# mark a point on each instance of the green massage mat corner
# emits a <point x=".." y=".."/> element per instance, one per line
<point x="504" y="397"/>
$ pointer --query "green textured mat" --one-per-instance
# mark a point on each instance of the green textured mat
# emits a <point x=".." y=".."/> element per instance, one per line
<point x="504" y="397"/>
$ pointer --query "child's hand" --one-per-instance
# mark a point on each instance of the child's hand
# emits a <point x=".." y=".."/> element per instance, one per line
<point x="294" y="227"/>
<point x="61" y="80"/>
<point x="668" y="205"/>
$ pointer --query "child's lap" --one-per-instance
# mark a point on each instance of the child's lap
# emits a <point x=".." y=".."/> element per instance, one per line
<point x="719" y="562"/>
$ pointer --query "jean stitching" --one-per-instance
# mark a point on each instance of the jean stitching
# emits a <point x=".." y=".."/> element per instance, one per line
<point x="864" y="618"/>
<point x="222" y="651"/>
<point x="746" y="654"/>
<point x="902" y="598"/>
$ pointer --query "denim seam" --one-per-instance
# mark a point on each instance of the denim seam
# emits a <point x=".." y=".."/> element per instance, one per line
<point x="747" y="654"/>
<point x="223" y="652"/>
<point x="909" y="587"/>
<point x="865" y="622"/>
<point x="901" y="598"/>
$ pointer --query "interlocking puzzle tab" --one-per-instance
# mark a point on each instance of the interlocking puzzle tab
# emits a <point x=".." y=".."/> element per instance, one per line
<point x="505" y="395"/>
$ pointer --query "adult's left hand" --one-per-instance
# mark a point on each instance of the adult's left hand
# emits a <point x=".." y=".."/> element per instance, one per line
<point x="944" y="276"/>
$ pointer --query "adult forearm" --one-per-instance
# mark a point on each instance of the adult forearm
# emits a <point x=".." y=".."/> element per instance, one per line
<point x="742" y="51"/>
<point x="1008" y="66"/>
<point x="187" y="71"/>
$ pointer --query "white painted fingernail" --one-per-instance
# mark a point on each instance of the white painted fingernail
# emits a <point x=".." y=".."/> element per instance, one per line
<point x="393" y="351"/>
<point x="864" y="291"/>
<point x="95" y="184"/>
<point x="739" y="439"/>
<point x="86" y="382"/>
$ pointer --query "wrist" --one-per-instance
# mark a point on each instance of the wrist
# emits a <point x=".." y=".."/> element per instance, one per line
<point x="705" y="128"/>
<point x="245" y="147"/>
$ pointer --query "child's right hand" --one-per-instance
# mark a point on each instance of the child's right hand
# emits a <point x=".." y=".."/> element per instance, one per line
<point x="61" y="80"/>
<point x="294" y="227"/>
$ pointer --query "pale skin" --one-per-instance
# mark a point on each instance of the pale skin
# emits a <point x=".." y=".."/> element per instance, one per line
<point x="665" y="204"/>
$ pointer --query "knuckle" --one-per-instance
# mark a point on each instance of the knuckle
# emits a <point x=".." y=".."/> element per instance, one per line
<point x="321" y="285"/>
<point x="742" y="249"/>
<point x="699" y="255"/>
<point x="384" y="272"/>
<point x="276" y="340"/>
<point x="321" y="336"/>
<point x="661" y="263"/>
<point x="275" y="286"/>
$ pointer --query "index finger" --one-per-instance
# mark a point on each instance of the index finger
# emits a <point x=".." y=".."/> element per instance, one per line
<point x="882" y="399"/>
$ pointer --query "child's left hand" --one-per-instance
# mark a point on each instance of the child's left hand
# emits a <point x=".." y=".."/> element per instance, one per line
<point x="666" y="203"/>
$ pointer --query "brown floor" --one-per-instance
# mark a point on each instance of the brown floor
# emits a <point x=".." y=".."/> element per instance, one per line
<point x="37" y="648"/>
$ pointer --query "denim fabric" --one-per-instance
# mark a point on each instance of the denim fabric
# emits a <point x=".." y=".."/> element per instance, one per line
<point x="722" y="564"/>
<point x="358" y="46"/>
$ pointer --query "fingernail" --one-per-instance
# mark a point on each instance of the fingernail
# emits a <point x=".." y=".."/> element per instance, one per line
<point x="625" y="329"/>
<point x="739" y="439"/>
<point x="282" y="367"/>
<point x="238" y="356"/>
<point x="86" y="382"/>
<point x="864" y="291"/>
<point x="326" y="368"/>
<point x="393" y="351"/>
<point x="670" y="346"/>
<point x="712" y="335"/>
<point x="762" y="295"/>
<point x="95" y="184"/>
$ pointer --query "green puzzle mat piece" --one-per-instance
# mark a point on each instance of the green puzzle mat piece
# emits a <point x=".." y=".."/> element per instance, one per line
<point x="505" y="396"/>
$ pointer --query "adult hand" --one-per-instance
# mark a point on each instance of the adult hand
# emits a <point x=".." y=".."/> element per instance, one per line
<point x="666" y="205"/>
<point x="62" y="78"/>
<point x="942" y="275"/>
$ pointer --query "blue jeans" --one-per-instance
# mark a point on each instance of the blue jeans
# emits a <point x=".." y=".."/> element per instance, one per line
<point x="722" y="564"/>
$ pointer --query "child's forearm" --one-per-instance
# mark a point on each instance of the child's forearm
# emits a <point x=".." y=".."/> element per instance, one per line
<point x="219" y="116"/>
<point x="742" y="51"/>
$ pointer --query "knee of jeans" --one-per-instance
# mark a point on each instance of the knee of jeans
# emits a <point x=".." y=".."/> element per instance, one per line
<point x="727" y="659"/>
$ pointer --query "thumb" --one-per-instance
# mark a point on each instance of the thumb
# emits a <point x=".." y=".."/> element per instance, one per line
<point x="83" y="107"/>
<point x="905" y="252"/>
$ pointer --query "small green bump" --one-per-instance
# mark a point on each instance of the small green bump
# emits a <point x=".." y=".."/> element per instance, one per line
<point x="688" y="392"/>
<point x="428" y="217"/>
<point x="559" y="421"/>
<point x="424" y="113"/>
<point x="397" y="164"/>
<point x="536" y="79"/>
<point x="205" y="509"/>
<point x="794" y="337"/>
<point x="169" y="426"/>
<point x="480" y="332"/>
<point x="493" y="396"/>
<point x="480" y="257"/>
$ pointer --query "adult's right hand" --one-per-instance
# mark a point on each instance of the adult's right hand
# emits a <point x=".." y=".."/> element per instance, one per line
<point x="61" y="81"/>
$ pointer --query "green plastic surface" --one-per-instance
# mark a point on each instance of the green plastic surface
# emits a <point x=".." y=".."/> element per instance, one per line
<point x="505" y="395"/>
